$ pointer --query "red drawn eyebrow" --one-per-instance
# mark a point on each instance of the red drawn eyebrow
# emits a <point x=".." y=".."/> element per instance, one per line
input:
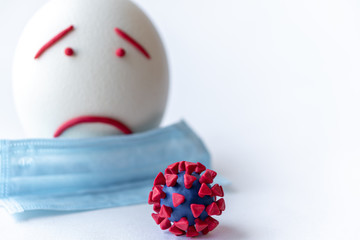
<point x="133" y="42"/>
<point x="53" y="41"/>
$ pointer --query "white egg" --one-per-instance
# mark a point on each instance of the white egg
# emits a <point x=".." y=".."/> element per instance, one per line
<point x="86" y="68"/>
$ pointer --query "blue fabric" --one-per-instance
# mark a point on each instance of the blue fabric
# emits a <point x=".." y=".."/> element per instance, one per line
<point x="84" y="174"/>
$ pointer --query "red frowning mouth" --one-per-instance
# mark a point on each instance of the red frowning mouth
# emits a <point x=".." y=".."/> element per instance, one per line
<point x="92" y="119"/>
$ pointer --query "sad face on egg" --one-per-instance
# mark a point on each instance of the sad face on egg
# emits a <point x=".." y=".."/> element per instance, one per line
<point x="87" y="68"/>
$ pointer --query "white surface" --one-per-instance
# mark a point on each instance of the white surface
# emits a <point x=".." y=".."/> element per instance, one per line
<point x="55" y="88"/>
<point x="273" y="88"/>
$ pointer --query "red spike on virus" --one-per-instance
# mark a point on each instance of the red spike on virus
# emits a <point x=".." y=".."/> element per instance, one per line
<point x="157" y="218"/>
<point x="157" y="207"/>
<point x="158" y="193"/>
<point x="205" y="231"/>
<point x="197" y="209"/>
<point x="171" y="179"/>
<point x="189" y="180"/>
<point x="208" y="176"/>
<point x="205" y="179"/>
<point x="165" y="224"/>
<point x="204" y="190"/>
<point x="177" y="199"/>
<point x="200" y="168"/>
<point x="150" y="201"/>
<point x="222" y="191"/>
<point x="200" y="225"/>
<point x="182" y="166"/>
<point x="192" y="232"/>
<point x="184" y="199"/>
<point x="168" y="171"/>
<point x="212" y="173"/>
<point x="183" y="224"/>
<point x="217" y="191"/>
<point x="190" y="167"/>
<point x="221" y="204"/>
<point x="160" y="179"/>
<point x="212" y="223"/>
<point x="165" y="212"/>
<point x="176" y="231"/>
<point x="213" y="209"/>
<point x="174" y="168"/>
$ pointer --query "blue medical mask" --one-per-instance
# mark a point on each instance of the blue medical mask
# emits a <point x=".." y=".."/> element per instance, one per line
<point x="84" y="174"/>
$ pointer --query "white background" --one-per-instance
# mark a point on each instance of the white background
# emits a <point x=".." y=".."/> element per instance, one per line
<point x="273" y="89"/>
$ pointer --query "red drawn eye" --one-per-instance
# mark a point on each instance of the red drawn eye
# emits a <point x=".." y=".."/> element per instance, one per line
<point x="120" y="52"/>
<point x="69" y="52"/>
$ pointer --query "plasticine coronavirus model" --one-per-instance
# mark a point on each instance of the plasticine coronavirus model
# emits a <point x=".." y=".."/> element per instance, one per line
<point x="185" y="201"/>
